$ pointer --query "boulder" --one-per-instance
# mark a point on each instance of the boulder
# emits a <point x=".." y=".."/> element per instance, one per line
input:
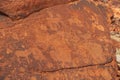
<point x="17" y="9"/>
<point x="64" y="42"/>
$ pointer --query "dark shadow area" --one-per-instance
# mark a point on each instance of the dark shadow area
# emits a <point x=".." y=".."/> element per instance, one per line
<point x="3" y="14"/>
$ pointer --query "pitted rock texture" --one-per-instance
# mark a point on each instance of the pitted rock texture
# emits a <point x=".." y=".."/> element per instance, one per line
<point x="114" y="5"/>
<point x="64" y="42"/>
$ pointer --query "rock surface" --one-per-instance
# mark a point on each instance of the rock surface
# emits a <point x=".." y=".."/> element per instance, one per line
<point x="63" y="42"/>
<point x="17" y="9"/>
<point x="114" y="5"/>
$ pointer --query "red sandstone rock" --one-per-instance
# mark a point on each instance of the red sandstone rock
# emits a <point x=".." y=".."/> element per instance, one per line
<point x="21" y="8"/>
<point x="64" y="42"/>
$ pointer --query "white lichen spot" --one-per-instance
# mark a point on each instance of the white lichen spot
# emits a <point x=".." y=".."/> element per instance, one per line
<point x="115" y="36"/>
<point x="118" y="55"/>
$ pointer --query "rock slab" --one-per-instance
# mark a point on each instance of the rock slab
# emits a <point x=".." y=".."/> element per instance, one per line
<point x="63" y="42"/>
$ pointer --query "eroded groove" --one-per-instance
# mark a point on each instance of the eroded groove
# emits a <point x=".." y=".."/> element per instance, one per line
<point x="79" y="67"/>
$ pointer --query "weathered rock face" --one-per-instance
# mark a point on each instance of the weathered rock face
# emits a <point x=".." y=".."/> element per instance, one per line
<point x="114" y="5"/>
<point x="64" y="42"/>
<point x="21" y="8"/>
